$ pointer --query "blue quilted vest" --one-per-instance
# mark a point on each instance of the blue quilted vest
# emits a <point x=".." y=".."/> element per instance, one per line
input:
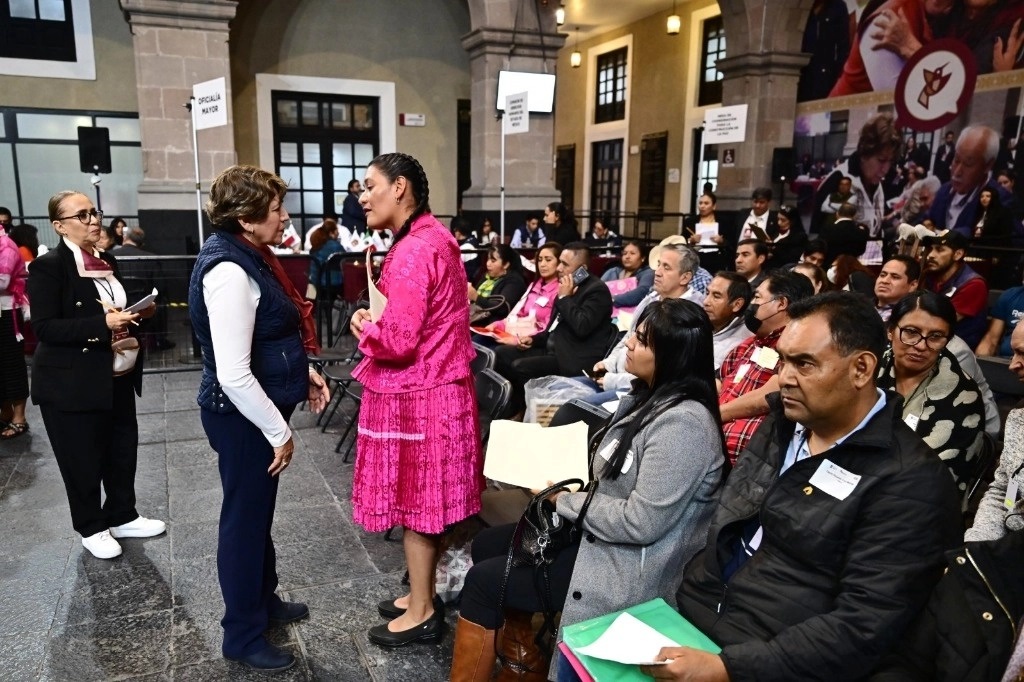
<point x="278" y="359"/>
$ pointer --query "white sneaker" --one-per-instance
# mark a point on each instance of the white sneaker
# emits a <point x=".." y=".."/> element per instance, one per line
<point x="139" y="528"/>
<point x="101" y="545"/>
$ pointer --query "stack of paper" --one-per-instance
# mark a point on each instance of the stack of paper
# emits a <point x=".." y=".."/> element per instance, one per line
<point x="530" y="455"/>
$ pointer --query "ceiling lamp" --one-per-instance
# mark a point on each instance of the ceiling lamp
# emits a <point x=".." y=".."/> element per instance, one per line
<point x="674" y="23"/>
<point x="560" y="14"/>
<point x="576" y="59"/>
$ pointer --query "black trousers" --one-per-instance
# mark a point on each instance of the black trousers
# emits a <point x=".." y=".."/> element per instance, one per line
<point x="483" y="582"/>
<point x="519" y="366"/>
<point x="94" y="448"/>
<point x="246" y="560"/>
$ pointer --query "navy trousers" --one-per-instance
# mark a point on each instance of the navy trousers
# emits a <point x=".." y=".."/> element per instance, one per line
<point x="246" y="562"/>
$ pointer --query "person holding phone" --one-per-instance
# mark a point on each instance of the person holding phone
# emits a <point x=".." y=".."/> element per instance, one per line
<point x="577" y="336"/>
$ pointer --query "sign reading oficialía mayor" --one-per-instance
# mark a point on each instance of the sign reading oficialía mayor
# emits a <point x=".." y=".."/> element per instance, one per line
<point x="211" y="105"/>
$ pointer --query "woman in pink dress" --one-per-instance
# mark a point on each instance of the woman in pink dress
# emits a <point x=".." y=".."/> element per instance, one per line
<point x="418" y="462"/>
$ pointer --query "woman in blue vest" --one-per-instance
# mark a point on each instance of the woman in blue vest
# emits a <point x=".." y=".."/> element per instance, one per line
<point x="255" y="330"/>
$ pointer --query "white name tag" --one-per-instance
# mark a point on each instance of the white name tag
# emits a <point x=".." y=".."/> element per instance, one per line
<point x="835" y="480"/>
<point x="542" y="301"/>
<point x="912" y="421"/>
<point x="1011" y="494"/>
<point x="766" y="357"/>
<point x="741" y="372"/>
<point x="608" y="450"/>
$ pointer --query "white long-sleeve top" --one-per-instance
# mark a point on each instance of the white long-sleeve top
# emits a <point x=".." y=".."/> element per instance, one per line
<point x="231" y="298"/>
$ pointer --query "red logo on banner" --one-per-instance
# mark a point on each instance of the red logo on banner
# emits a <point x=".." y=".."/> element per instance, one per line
<point x="935" y="85"/>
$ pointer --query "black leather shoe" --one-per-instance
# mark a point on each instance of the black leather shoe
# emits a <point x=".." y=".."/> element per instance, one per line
<point x="429" y="631"/>
<point x="287" y="612"/>
<point x="387" y="608"/>
<point x="269" y="660"/>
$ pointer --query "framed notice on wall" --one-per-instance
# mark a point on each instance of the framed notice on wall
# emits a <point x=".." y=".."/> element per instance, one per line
<point x="653" y="157"/>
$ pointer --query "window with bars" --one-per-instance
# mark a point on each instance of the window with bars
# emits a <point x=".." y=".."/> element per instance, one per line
<point x="322" y="142"/>
<point x="713" y="41"/>
<point x="37" y="29"/>
<point x="606" y="177"/>
<point x="610" y="102"/>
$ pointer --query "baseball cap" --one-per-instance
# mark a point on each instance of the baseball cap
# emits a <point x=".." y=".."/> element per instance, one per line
<point x="951" y="238"/>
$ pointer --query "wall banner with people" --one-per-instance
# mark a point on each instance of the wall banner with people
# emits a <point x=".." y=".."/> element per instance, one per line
<point x="917" y="104"/>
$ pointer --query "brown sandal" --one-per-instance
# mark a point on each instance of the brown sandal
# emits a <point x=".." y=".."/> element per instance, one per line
<point x="13" y="430"/>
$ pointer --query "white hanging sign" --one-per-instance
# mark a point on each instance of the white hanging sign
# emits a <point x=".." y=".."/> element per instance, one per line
<point x="211" y="103"/>
<point x="725" y="124"/>
<point x="517" y="114"/>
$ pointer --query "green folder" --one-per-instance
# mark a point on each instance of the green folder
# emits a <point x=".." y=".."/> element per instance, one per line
<point x="655" y="613"/>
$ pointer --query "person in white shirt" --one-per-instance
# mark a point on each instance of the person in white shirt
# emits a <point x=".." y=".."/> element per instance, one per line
<point x="760" y="216"/>
<point x="676" y="265"/>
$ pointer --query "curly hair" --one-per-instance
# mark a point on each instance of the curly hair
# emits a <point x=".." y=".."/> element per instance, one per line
<point x="879" y="135"/>
<point x="242" y="193"/>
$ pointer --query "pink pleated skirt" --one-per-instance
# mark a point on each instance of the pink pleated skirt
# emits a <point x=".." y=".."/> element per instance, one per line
<point x="418" y="459"/>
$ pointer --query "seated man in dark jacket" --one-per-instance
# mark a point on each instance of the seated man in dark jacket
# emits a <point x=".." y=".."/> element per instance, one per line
<point x="830" y="531"/>
<point x="577" y="336"/>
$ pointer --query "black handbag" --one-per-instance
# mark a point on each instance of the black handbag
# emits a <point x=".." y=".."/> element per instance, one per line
<point x="541" y="533"/>
<point x="539" y="536"/>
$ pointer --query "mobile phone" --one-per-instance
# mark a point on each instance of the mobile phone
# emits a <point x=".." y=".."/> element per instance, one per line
<point x="591" y="374"/>
<point x="580" y="275"/>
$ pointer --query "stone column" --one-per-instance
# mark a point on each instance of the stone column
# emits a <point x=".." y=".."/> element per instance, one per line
<point x="177" y="43"/>
<point x="761" y="71"/>
<point x="529" y="169"/>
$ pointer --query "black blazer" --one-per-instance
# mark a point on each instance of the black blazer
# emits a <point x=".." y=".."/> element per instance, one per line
<point x="584" y="329"/>
<point x="73" y="365"/>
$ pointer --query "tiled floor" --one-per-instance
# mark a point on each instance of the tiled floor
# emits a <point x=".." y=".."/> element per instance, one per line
<point x="154" y="612"/>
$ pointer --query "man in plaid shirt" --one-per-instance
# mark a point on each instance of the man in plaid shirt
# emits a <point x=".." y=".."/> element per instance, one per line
<point x="749" y="371"/>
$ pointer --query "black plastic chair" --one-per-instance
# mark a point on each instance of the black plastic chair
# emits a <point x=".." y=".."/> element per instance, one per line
<point x="999" y="377"/>
<point x="484" y="359"/>
<point x="493" y="397"/>
<point x="576" y="410"/>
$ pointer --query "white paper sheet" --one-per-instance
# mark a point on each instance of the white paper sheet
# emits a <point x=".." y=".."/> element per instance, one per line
<point x="706" y="231"/>
<point x="142" y="303"/>
<point x="530" y="455"/>
<point x="628" y="640"/>
<point x="378" y="301"/>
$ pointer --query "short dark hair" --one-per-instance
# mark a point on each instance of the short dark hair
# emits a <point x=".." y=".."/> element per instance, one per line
<point x="760" y="248"/>
<point x="791" y="286"/>
<point x="739" y="287"/>
<point x="852" y="321"/>
<point x="912" y="266"/>
<point x="762" y="193"/>
<point x="579" y="247"/>
<point x="846" y="210"/>
<point x="928" y="301"/>
<point x="816" y="246"/>
<point x="6" y="211"/>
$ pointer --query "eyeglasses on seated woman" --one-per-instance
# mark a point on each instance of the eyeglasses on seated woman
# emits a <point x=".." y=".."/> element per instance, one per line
<point x="941" y="403"/>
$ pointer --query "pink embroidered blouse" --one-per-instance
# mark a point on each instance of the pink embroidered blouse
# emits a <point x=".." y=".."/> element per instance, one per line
<point x="422" y="339"/>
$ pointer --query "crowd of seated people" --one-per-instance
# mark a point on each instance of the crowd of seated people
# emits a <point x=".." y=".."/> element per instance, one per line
<point x="853" y="416"/>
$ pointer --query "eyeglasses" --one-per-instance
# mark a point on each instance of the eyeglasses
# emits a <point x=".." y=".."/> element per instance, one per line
<point x="911" y="337"/>
<point x="84" y="217"/>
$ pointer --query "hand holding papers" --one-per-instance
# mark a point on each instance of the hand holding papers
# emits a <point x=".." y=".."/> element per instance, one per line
<point x="591" y="644"/>
<point x="706" y="231"/>
<point x="628" y="640"/>
<point x="142" y="303"/>
<point x="530" y="455"/>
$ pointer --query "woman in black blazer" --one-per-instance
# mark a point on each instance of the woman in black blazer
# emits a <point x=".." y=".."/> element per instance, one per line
<point x="85" y="393"/>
